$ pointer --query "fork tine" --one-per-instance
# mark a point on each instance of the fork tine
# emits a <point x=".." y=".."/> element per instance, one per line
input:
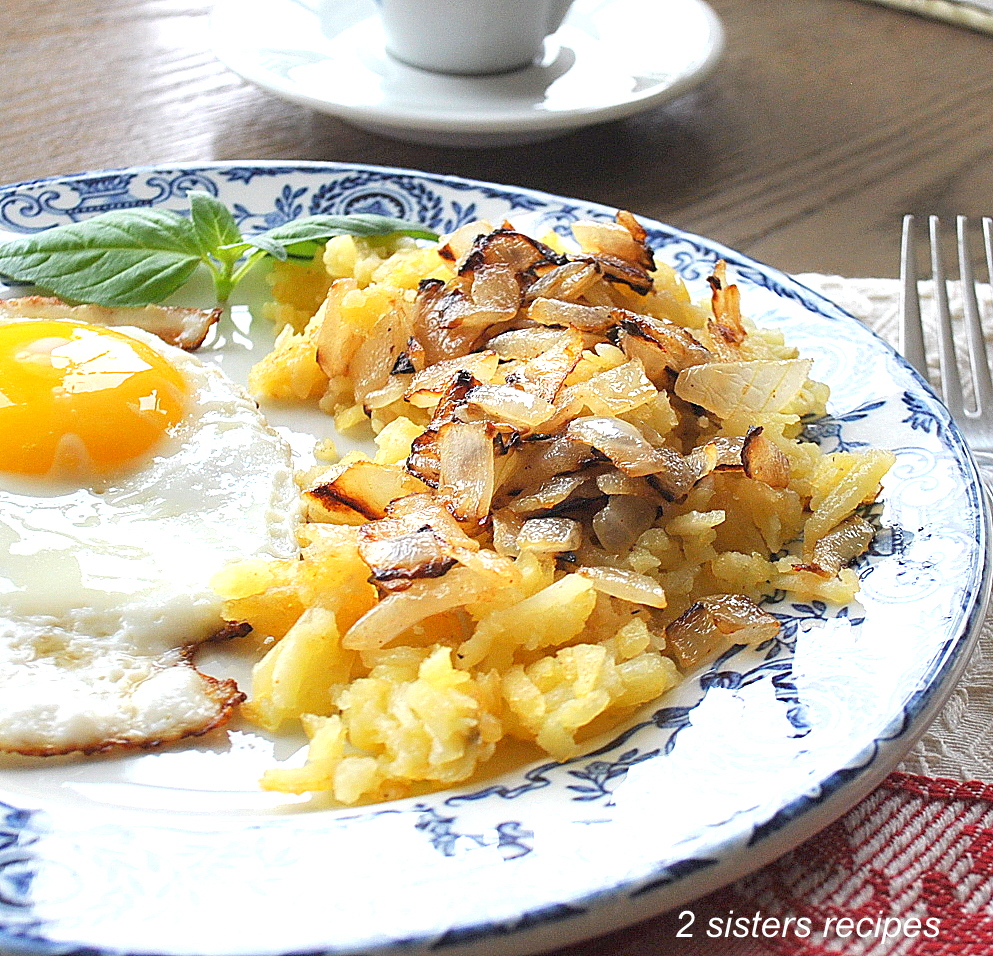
<point x="978" y="361"/>
<point x="978" y="352"/>
<point x="911" y="329"/>
<point x="951" y="381"/>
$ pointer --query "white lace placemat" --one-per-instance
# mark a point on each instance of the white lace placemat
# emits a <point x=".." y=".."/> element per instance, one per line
<point x="958" y="743"/>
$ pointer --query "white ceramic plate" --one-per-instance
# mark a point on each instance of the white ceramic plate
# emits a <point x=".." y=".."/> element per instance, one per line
<point x="177" y="851"/>
<point x="610" y="58"/>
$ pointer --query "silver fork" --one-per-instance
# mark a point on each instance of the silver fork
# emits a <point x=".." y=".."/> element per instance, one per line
<point x="975" y="421"/>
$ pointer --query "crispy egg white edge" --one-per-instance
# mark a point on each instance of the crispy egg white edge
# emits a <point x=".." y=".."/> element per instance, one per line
<point x="78" y="678"/>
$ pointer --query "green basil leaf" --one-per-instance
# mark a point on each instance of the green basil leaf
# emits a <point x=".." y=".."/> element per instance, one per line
<point x="214" y="226"/>
<point x="318" y="229"/>
<point x="122" y="258"/>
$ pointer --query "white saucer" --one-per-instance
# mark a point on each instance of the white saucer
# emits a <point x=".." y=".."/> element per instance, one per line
<point x="611" y="58"/>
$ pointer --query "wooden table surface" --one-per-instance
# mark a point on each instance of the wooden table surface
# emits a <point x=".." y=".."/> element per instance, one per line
<point x="825" y="122"/>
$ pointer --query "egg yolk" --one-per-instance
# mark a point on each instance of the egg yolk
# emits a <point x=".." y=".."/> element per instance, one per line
<point x="78" y="399"/>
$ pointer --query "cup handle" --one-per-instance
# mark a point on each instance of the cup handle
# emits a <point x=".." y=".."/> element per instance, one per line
<point x="556" y="14"/>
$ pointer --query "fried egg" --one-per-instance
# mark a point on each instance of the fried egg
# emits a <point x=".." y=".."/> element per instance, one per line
<point x="130" y="473"/>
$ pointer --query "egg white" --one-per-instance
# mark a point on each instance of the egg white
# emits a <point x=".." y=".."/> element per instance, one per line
<point x="105" y="586"/>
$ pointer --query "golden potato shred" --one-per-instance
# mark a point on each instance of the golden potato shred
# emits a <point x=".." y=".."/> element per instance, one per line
<point x="585" y="485"/>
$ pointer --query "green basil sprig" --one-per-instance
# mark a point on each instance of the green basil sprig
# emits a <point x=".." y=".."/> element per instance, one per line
<point x="135" y="257"/>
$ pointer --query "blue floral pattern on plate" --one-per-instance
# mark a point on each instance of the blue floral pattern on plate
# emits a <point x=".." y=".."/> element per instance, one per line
<point x="748" y="757"/>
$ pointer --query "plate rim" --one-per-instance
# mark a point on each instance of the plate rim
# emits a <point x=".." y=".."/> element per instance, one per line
<point x="820" y="809"/>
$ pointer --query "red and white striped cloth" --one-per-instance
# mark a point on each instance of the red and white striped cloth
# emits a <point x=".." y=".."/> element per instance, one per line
<point x="906" y="872"/>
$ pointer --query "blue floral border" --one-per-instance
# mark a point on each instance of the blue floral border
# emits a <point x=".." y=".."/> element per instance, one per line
<point x="443" y="204"/>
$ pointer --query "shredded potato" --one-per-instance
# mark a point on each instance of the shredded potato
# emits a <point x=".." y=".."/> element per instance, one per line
<point x="585" y="484"/>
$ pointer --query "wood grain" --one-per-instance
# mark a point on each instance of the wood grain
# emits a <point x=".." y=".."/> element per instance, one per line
<point x="824" y="123"/>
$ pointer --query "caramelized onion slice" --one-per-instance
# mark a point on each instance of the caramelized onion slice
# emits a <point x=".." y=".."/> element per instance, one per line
<point x="724" y="327"/>
<point x="713" y="624"/>
<point x="506" y="527"/>
<point x="592" y="318"/>
<point x="358" y="491"/>
<point x="662" y="342"/>
<point x="396" y="562"/>
<point x="397" y="612"/>
<point x="626" y="585"/>
<point x="763" y="460"/>
<point x="550" y="535"/>
<point x="726" y="388"/>
<point x="566" y="283"/>
<point x="457" y="245"/>
<point x="621" y="442"/>
<point x="506" y="404"/>
<point x="622" y="521"/>
<point x="549" y="494"/>
<point x="545" y="374"/>
<point x="415" y="512"/>
<point x="507" y="247"/>
<point x="466" y="469"/>
<point x="527" y="343"/>
<point x="625" y="238"/>
<point x="428" y="386"/>
<point x="840" y="546"/>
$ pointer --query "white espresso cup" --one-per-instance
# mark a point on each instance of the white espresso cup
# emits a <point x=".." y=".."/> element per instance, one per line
<point x="469" y="36"/>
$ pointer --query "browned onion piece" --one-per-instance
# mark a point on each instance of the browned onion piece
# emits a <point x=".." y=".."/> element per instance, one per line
<point x="376" y="354"/>
<point x="396" y="562"/>
<point x="505" y="246"/>
<point x="505" y="404"/>
<point x="466" y="469"/>
<point x="593" y="318"/>
<point x="743" y="388"/>
<point x="357" y="491"/>
<point x="626" y="585"/>
<point x="622" y="521"/>
<point x="763" y="460"/>
<point x="715" y="623"/>
<point x="417" y="512"/>
<point x="724" y="325"/>
<point x="625" y="238"/>
<point x="566" y="282"/>
<point x="620" y="249"/>
<point x="615" y="482"/>
<point x="545" y="374"/>
<point x="718" y="454"/>
<point x="840" y="546"/>
<point x="184" y="328"/>
<point x="506" y="525"/>
<point x="395" y="613"/>
<point x="562" y="455"/>
<point x="422" y="462"/>
<point x="430" y="384"/>
<point x="391" y="392"/>
<point x="617" y="390"/>
<point x="550" y="535"/>
<point x="336" y="340"/>
<point x="495" y="288"/>
<point x="438" y="321"/>
<point x="456" y="245"/>
<point x="621" y="442"/>
<point x="527" y="343"/>
<point x="676" y="347"/>
<point x="410" y="360"/>
<point x="550" y="493"/>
